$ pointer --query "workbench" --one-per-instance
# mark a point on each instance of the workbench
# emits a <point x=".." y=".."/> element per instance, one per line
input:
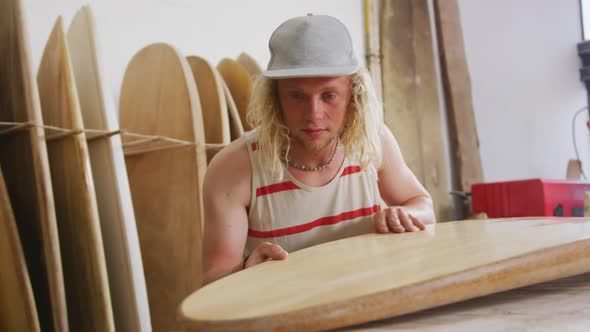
<point x="560" y="305"/>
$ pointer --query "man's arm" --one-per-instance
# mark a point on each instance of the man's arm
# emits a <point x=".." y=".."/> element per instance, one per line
<point x="226" y="196"/>
<point x="410" y="205"/>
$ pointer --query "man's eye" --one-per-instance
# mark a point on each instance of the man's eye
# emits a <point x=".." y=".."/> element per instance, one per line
<point x="329" y="96"/>
<point x="296" y="95"/>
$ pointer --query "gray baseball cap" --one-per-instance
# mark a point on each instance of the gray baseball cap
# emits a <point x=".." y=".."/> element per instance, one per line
<point x="310" y="46"/>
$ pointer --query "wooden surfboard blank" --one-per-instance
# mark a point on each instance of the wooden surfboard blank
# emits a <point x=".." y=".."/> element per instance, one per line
<point x="117" y="219"/>
<point x="249" y="64"/>
<point x="159" y="97"/>
<point x="235" y="123"/>
<point x="377" y="276"/>
<point x="412" y="111"/>
<point x="85" y="275"/>
<point x="17" y="305"/>
<point x="239" y="82"/>
<point x="26" y="170"/>
<point x="213" y="104"/>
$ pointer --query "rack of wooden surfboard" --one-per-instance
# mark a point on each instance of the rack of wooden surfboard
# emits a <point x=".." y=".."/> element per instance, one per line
<point x="99" y="232"/>
<point x="101" y="217"/>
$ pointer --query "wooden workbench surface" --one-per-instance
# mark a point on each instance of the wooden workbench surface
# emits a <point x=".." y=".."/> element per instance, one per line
<point x="560" y="305"/>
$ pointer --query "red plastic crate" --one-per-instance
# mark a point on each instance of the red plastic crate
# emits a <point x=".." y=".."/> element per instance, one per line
<point x="529" y="198"/>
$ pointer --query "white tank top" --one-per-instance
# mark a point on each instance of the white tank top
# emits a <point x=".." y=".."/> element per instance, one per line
<point x="295" y="216"/>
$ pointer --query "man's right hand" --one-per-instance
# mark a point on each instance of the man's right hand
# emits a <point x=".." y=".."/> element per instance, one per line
<point x="264" y="252"/>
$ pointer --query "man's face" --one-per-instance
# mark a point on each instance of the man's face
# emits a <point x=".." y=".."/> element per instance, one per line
<point x="314" y="109"/>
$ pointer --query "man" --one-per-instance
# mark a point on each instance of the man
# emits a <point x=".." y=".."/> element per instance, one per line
<point x="318" y="167"/>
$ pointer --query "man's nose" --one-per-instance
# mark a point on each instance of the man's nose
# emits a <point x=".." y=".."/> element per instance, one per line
<point x="314" y="108"/>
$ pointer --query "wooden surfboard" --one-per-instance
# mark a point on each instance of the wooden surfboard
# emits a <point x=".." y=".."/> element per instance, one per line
<point x="239" y="82"/>
<point x="117" y="219"/>
<point x="159" y="97"/>
<point x="26" y="169"/>
<point x="213" y="104"/>
<point x="377" y="276"/>
<point x="249" y="64"/>
<point x="17" y="305"/>
<point x="85" y="275"/>
<point x="235" y="123"/>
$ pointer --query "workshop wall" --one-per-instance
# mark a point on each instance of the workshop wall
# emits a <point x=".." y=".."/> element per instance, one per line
<point x="210" y="29"/>
<point x="524" y="69"/>
<point x="521" y="54"/>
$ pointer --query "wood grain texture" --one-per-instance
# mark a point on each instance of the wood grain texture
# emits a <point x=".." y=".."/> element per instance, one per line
<point x="17" y="305"/>
<point x="159" y="97"/>
<point x="412" y="110"/>
<point x="377" y="276"/>
<point x="249" y="64"/>
<point x="213" y="104"/>
<point x="559" y="305"/>
<point x="464" y="142"/>
<point x="235" y="123"/>
<point x="239" y="82"/>
<point x="373" y="44"/>
<point x="26" y="169"/>
<point x="85" y="274"/>
<point x="117" y="219"/>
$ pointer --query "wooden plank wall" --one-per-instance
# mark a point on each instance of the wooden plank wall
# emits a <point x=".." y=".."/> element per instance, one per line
<point x="373" y="44"/>
<point x="410" y="95"/>
<point x="464" y="142"/>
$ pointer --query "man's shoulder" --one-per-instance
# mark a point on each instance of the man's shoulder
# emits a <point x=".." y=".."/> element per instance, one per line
<point x="229" y="172"/>
<point x="234" y="155"/>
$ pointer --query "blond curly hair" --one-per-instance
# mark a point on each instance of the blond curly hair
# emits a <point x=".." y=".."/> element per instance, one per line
<point x="359" y="135"/>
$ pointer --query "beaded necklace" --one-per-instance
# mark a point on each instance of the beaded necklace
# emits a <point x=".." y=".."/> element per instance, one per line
<point x="302" y="167"/>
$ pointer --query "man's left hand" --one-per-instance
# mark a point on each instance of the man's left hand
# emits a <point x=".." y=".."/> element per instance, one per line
<point x="396" y="219"/>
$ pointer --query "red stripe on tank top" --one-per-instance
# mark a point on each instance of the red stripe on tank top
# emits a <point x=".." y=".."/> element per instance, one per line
<point x="331" y="220"/>
<point x="351" y="170"/>
<point x="275" y="188"/>
<point x="254" y="146"/>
